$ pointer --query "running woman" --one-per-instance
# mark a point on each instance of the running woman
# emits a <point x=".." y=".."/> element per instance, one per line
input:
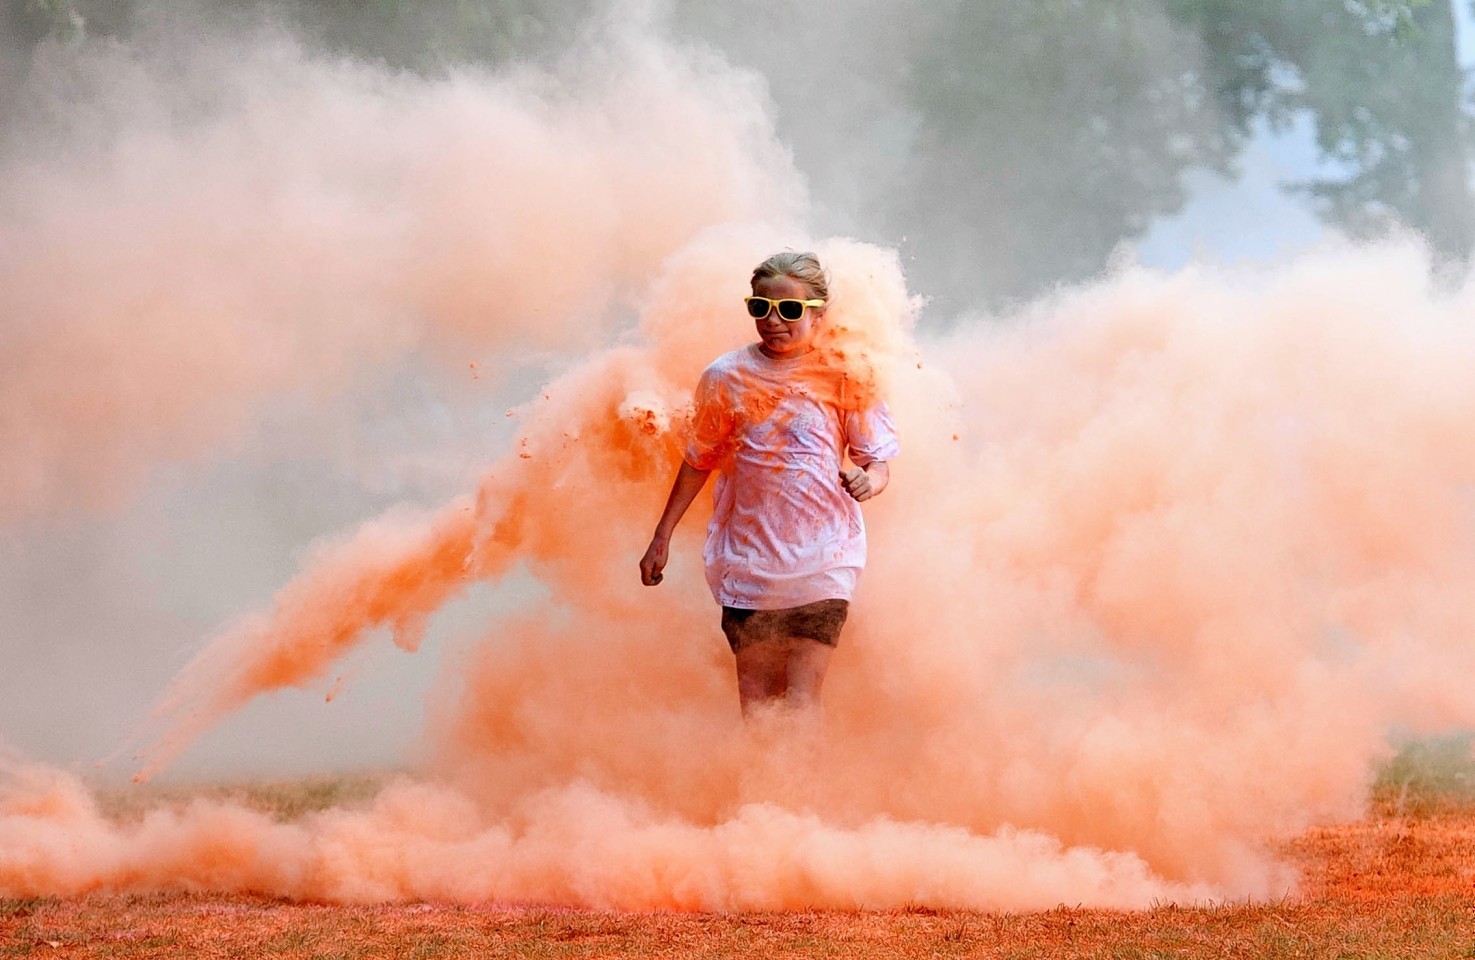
<point x="787" y="543"/>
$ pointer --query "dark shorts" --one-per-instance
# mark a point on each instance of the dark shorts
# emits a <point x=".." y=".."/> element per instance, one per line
<point x="819" y="621"/>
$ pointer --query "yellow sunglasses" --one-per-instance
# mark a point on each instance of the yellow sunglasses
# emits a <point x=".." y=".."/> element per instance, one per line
<point x="789" y="311"/>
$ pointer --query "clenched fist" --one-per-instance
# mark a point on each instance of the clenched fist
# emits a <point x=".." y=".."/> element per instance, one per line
<point x="654" y="561"/>
<point x="857" y="483"/>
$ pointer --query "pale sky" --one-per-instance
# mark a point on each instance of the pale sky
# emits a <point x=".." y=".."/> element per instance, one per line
<point x="1253" y="218"/>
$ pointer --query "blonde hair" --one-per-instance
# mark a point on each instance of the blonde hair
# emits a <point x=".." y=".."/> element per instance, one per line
<point x="801" y="266"/>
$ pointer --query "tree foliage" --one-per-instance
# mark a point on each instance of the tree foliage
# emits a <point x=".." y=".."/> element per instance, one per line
<point x="1052" y="129"/>
<point x="1381" y="82"/>
<point x="412" y="34"/>
<point x="1012" y="143"/>
<point x="1077" y="132"/>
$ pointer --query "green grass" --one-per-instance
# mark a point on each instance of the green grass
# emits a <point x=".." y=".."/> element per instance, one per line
<point x="1427" y="776"/>
<point x="284" y="799"/>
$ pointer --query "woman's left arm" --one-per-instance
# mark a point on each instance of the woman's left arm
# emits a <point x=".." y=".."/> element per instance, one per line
<point x="863" y="483"/>
<point x="870" y="438"/>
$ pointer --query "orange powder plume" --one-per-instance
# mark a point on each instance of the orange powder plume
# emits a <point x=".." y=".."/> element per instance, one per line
<point x="170" y="267"/>
<point x="1157" y="607"/>
<point x="1162" y="562"/>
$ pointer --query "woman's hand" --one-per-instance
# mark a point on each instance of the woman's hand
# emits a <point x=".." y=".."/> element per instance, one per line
<point x="865" y="484"/>
<point x="684" y="490"/>
<point x="654" y="560"/>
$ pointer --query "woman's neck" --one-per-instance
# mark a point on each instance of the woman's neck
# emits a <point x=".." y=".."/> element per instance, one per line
<point x="787" y="355"/>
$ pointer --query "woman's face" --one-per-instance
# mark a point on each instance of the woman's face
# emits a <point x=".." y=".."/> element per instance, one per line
<point x="780" y="338"/>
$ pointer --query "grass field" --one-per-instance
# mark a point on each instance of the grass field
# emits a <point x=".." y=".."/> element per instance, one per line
<point x="1400" y="884"/>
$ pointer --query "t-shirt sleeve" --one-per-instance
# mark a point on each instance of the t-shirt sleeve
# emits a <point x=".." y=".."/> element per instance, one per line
<point x="870" y="435"/>
<point x="708" y="438"/>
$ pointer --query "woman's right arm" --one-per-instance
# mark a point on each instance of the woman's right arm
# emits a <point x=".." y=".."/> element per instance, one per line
<point x="689" y="483"/>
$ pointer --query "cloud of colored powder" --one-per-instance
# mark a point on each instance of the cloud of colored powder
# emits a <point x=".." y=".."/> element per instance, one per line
<point x="1164" y="560"/>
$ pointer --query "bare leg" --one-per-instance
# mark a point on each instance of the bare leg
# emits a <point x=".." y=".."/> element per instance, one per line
<point x="762" y="674"/>
<point x="808" y="661"/>
<point x="788" y="668"/>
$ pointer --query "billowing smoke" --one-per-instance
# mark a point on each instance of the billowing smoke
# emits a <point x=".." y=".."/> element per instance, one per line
<point x="1164" y="560"/>
<point x="251" y="220"/>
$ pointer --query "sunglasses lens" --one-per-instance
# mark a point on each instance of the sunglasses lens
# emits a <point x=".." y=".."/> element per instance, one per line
<point x="791" y="310"/>
<point x="757" y="308"/>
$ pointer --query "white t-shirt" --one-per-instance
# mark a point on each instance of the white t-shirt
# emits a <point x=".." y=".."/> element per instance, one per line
<point x="784" y="532"/>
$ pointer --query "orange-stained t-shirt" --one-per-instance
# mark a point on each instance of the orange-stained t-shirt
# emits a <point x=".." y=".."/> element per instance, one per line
<point x="784" y="532"/>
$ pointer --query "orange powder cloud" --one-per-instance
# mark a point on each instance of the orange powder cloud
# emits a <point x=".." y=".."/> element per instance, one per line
<point x="1164" y="558"/>
<point x="1149" y="589"/>
<point x="228" y="221"/>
